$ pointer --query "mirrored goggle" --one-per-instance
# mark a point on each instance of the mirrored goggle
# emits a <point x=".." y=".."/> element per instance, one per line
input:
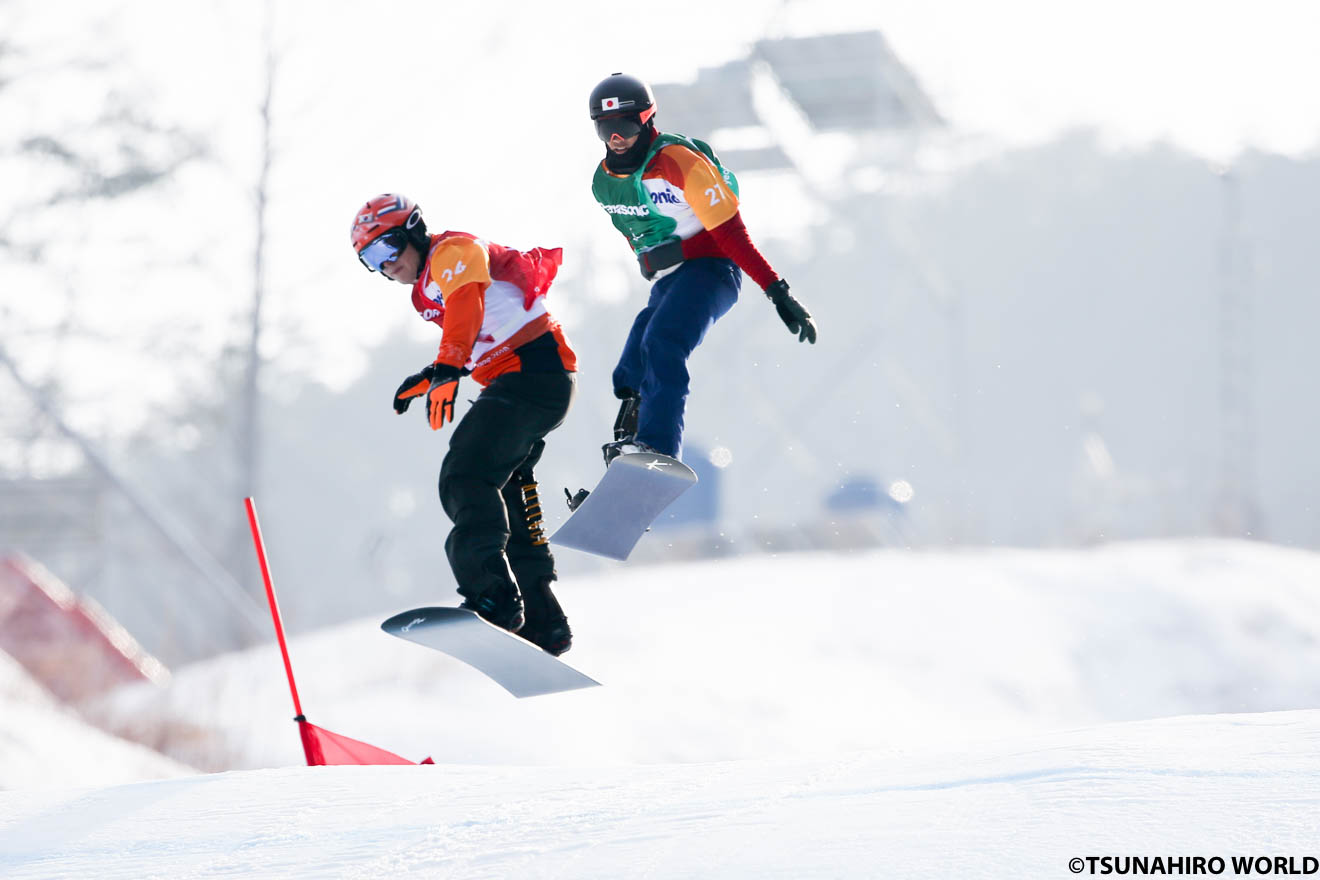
<point x="624" y="126"/>
<point x="383" y="249"/>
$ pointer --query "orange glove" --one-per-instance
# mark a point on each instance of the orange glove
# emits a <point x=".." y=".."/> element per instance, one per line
<point x="440" y="396"/>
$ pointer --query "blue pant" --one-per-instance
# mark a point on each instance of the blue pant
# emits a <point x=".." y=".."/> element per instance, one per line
<point x="683" y="306"/>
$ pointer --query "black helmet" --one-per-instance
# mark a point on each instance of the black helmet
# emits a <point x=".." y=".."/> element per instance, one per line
<point x="619" y="93"/>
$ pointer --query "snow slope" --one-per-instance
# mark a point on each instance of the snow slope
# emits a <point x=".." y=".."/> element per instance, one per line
<point x="1022" y="807"/>
<point x="889" y="714"/>
<point x="43" y="743"/>
<point x="798" y="655"/>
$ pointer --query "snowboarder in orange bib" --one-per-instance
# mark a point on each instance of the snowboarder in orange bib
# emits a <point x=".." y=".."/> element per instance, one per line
<point x="489" y="301"/>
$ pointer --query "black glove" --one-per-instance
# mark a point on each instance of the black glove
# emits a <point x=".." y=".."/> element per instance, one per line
<point x="655" y="260"/>
<point x="422" y="382"/>
<point x="414" y="386"/>
<point x="796" y="318"/>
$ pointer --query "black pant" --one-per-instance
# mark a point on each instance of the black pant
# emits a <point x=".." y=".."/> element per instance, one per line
<point x="491" y="455"/>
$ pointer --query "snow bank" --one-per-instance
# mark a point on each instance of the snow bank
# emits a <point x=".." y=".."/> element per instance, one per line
<point x="45" y="744"/>
<point x="796" y="656"/>
<point x="1209" y="787"/>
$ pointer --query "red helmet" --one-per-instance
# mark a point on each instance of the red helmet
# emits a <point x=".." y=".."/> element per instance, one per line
<point x="385" y="212"/>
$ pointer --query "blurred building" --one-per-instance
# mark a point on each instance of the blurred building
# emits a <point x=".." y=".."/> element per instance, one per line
<point x="836" y="83"/>
<point x="67" y="642"/>
<point x="699" y="505"/>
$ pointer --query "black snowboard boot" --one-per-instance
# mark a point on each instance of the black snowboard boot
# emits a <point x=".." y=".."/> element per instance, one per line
<point x="624" y="447"/>
<point x="495" y="597"/>
<point x="625" y="424"/>
<point x="546" y="625"/>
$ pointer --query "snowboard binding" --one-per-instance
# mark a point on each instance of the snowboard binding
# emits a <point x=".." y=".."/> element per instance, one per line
<point x="575" y="501"/>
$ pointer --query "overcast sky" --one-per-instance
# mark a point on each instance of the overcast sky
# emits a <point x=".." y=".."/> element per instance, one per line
<point x="1211" y="75"/>
<point x="478" y="112"/>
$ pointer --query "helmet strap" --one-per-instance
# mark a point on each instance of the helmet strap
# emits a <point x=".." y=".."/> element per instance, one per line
<point x="416" y="230"/>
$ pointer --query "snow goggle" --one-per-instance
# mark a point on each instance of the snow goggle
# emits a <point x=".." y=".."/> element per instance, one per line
<point x="383" y="248"/>
<point x="623" y="126"/>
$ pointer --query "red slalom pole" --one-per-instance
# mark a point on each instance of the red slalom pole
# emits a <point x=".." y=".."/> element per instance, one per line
<point x="320" y="746"/>
<point x="270" y="598"/>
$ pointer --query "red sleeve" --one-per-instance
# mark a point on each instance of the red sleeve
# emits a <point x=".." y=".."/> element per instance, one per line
<point x="733" y="242"/>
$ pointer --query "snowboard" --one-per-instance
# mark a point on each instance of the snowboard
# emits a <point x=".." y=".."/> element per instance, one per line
<point x="635" y="490"/>
<point x="515" y="664"/>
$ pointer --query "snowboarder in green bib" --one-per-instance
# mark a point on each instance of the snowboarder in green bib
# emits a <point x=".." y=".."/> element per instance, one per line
<point x="678" y="208"/>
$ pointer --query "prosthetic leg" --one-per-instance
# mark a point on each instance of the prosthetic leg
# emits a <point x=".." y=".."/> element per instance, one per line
<point x="529" y="554"/>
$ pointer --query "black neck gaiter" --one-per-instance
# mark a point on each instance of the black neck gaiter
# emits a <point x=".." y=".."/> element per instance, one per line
<point x="629" y="161"/>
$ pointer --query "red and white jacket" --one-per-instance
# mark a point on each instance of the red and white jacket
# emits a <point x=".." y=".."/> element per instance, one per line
<point x="488" y="300"/>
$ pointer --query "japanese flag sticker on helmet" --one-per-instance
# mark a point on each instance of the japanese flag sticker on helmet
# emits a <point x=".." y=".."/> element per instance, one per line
<point x="620" y="93"/>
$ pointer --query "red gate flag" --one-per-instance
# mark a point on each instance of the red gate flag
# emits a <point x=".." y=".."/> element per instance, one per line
<point x="324" y="747"/>
<point x="319" y="745"/>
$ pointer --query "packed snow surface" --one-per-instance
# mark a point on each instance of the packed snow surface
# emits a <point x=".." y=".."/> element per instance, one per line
<point x="1023" y="807"/>
<point x="981" y="713"/>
